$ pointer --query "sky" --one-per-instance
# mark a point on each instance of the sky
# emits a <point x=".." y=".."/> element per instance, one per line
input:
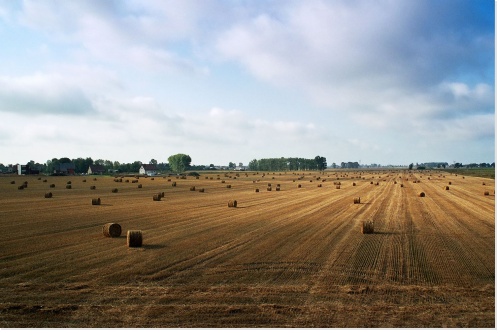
<point x="385" y="81"/>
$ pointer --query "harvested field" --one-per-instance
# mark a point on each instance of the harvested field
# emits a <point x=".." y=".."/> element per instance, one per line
<point x="288" y="258"/>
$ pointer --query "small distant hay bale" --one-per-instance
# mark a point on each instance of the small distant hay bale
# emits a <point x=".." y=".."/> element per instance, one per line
<point x="13" y="182"/>
<point x="20" y="187"/>
<point x="357" y="200"/>
<point x="157" y="197"/>
<point x="201" y="190"/>
<point x="402" y="185"/>
<point x="371" y="183"/>
<point x="228" y="186"/>
<point x="68" y="187"/>
<point x="134" y="238"/>
<point x="486" y="193"/>
<point x="232" y="203"/>
<point x="52" y="185"/>
<point x="139" y="185"/>
<point x="152" y="178"/>
<point x="269" y="184"/>
<point x="368" y="227"/>
<point x="337" y="187"/>
<point x="95" y="179"/>
<point x="84" y="180"/>
<point x="92" y="187"/>
<point x="319" y="185"/>
<point x="449" y="183"/>
<point x="45" y="180"/>
<point x="299" y="185"/>
<point x="353" y="184"/>
<point x="447" y="188"/>
<point x="278" y="188"/>
<point x="269" y="188"/>
<point x="422" y="194"/>
<point x="484" y="183"/>
<point x="111" y="230"/>
<point x="96" y="202"/>
<point x="127" y="181"/>
<point x="192" y="188"/>
<point x="69" y="182"/>
<point x="135" y="181"/>
<point x="256" y="190"/>
<point x="395" y="182"/>
<point x="222" y="181"/>
<point x="48" y="195"/>
<point x="115" y="190"/>
<point x="174" y="184"/>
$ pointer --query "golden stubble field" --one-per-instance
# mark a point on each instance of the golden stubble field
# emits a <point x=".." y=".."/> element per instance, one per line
<point x="289" y="258"/>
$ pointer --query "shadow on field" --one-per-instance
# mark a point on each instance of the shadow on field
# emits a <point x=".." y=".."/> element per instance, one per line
<point x="153" y="246"/>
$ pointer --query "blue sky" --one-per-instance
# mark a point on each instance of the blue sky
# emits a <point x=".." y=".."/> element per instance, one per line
<point x="385" y="81"/>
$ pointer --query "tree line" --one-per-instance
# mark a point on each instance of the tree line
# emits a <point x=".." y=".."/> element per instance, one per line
<point x="288" y="164"/>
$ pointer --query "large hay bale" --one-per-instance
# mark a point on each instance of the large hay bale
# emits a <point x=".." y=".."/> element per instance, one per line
<point x="368" y="227"/>
<point x="357" y="200"/>
<point x="134" y="238"/>
<point x="96" y="202"/>
<point x="228" y="186"/>
<point x="269" y="188"/>
<point x="256" y="190"/>
<point x="486" y="193"/>
<point x="422" y="194"/>
<point x="112" y="230"/>
<point x="48" y="195"/>
<point x="278" y="188"/>
<point x="157" y="197"/>
<point x="232" y="203"/>
<point x="299" y="185"/>
<point x="353" y="184"/>
<point x="447" y="188"/>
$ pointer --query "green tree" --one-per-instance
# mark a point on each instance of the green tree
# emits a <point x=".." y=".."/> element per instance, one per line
<point x="231" y="165"/>
<point x="179" y="162"/>
<point x="410" y="167"/>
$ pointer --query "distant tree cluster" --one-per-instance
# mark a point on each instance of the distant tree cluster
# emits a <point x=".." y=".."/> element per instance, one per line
<point x="288" y="164"/>
<point x="349" y="165"/>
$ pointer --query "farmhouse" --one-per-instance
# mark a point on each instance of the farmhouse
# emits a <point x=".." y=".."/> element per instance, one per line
<point x="148" y="169"/>
<point x="96" y="169"/>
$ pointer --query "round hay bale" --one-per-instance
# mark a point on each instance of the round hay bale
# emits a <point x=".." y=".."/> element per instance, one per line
<point x="256" y="190"/>
<point x="484" y="183"/>
<point x="486" y="193"/>
<point x="157" y="197"/>
<point x="13" y="182"/>
<point x="201" y="190"/>
<point x="134" y="238"/>
<point x="278" y="188"/>
<point x="353" y="184"/>
<point x="174" y="184"/>
<point x="52" y="185"/>
<point x="48" y="195"/>
<point x="139" y="186"/>
<point x="68" y="187"/>
<point x="95" y="179"/>
<point x="115" y="190"/>
<point x="192" y="188"/>
<point x="447" y="188"/>
<point x="45" y="180"/>
<point x="402" y="185"/>
<point x="96" y="202"/>
<point x="20" y="187"/>
<point x="92" y="187"/>
<point x="337" y="187"/>
<point x="368" y="227"/>
<point x="269" y="188"/>
<point x="84" y="180"/>
<point x="69" y="182"/>
<point x="449" y="183"/>
<point x="111" y="230"/>
<point x="232" y="203"/>
<point x="228" y="186"/>
<point x="357" y="200"/>
<point x="422" y="194"/>
<point x="299" y="185"/>
<point x="319" y="185"/>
